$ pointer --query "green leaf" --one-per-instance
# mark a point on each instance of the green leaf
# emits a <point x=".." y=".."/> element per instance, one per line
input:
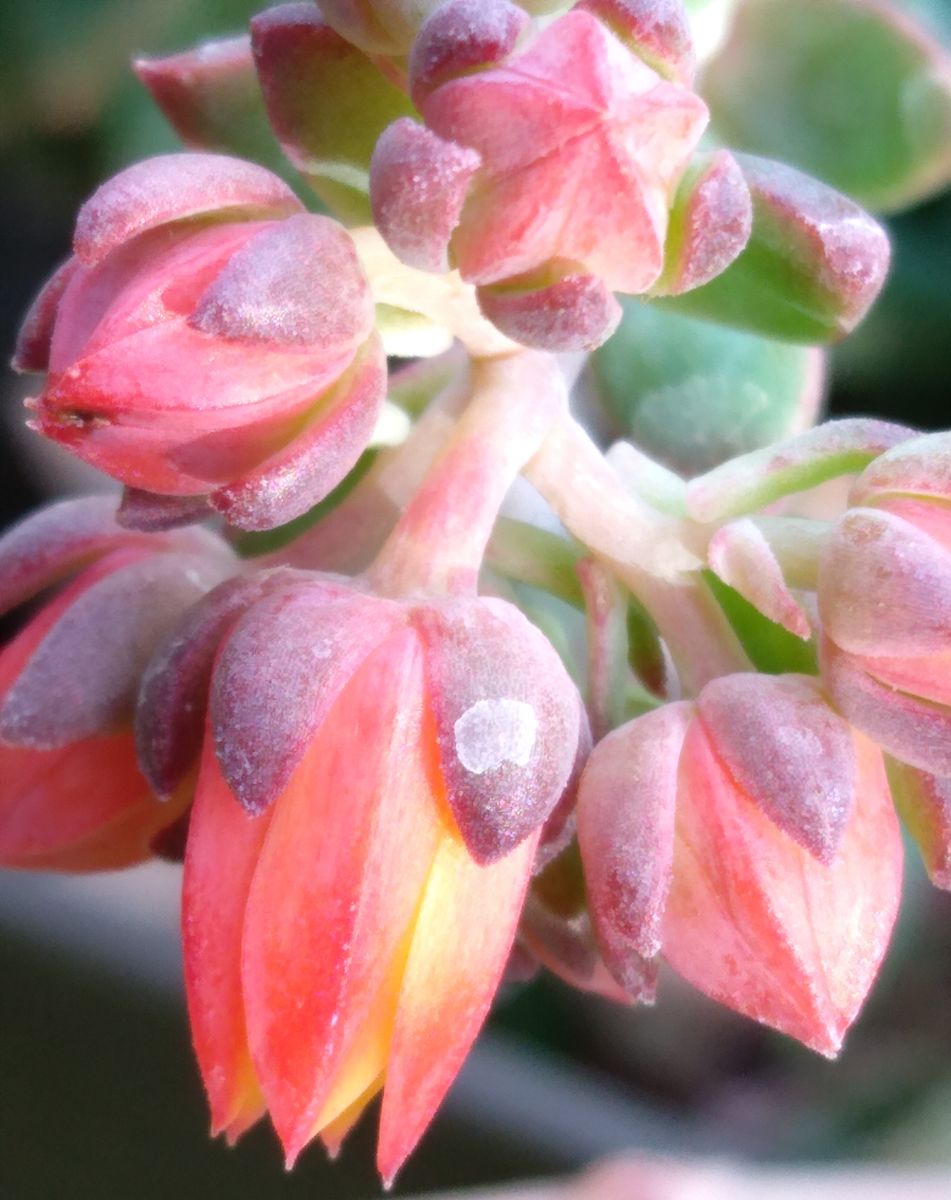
<point x="694" y="394"/>
<point x="852" y="91"/>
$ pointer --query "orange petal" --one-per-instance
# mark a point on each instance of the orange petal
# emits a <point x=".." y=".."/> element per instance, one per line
<point x="461" y="943"/>
<point x="223" y="848"/>
<point x="334" y="1134"/>
<point x="335" y="894"/>
<point x="756" y="922"/>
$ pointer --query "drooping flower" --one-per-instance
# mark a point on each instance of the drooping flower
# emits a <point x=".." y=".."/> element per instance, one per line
<point x="748" y="838"/>
<point x="380" y="759"/>
<point x="548" y="166"/>
<point x="373" y="784"/>
<point x="885" y="602"/>
<point x="209" y="338"/>
<point x="72" y="795"/>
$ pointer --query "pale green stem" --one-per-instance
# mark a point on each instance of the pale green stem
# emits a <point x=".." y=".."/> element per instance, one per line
<point x="439" y="542"/>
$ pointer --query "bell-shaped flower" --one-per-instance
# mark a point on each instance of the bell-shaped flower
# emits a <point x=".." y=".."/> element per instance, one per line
<point x="549" y="163"/>
<point x="885" y="602"/>
<point x="748" y="838"/>
<point x="209" y="339"/>
<point x="72" y="795"/>
<point x="374" y="782"/>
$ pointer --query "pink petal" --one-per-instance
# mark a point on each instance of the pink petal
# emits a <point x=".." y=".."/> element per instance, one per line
<point x="173" y="696"/>
<point x="626" y="830"/>
<point x="292" y="481"/>
<point x="460" y="944"/>
<point x="885" y="587"/>
<point x="506" y="715"/>
<point x="459" y="36"/>
<point x="296" y="283"/>
<point x="913" y="730"/>
<point x="172" y="187"/>
<point x="82" y="678"/>
<point x="223" y="848"/>
<point x="918" y="467"/>
<point x="57" y="540"/>
<point x="36" y="333"/>
<point x="755" y="922"/>
<point x="740" y="555"/>
<point x="924" y="805"/>
<point x="710" y="225"/>
<point x="279" y="675"/>
<point x="576" y="312"/>
<point x="335" y="895"/>
<point x="656" y="30"/>
<point x="151" y="513"/>
<point x="418" y="184"/>
<point x="785" y="750"/>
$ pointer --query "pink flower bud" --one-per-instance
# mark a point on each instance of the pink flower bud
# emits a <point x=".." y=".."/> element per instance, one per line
<point x="884" y="587"/>
<point x="72" y="796"/>
<point x="752" y="842"/>
<point x="657" y="30"/>
<point x="401" y="758"/>
<point x="581" y="146"/>
<point x="209" y="344"/>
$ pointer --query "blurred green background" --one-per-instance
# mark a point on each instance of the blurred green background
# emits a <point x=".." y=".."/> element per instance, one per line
<point x="98" y="1093"/>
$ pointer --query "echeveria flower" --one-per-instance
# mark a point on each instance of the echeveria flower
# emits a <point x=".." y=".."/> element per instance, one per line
<point x="750" y="839"/>
<point x="209" y="338"/>
<point x="72" y="795"/>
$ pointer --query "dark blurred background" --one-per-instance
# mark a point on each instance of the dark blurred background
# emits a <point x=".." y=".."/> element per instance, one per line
<point x="98" y="1093"/>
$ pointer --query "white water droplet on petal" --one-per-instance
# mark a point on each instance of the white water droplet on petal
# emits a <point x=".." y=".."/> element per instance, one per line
<point x="494" y="732"/>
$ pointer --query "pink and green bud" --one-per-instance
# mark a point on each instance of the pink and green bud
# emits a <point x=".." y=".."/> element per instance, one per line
<point x="814" y="264"/>
<point x="72" y="795"/>
<point x="570" y="197"/>
<point x="213" y="341"/>
<point x="740" y="555"/>
<point x="326" y="101"/>
<point x="750" y="840"/>
<point x="884" y="583"/>
<point x="210" y="97"/>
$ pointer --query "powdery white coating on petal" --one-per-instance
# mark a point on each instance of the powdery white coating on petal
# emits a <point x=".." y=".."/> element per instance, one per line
<point x="846" y="249"/>
<point x="278" y="675"/>
<point x="493" y="733"/>
<point x="506" y="716"/>
<point x="710" y="226"/>
<point x="460" y="36"/>
<point x="32" y="351"/>
<point x="173" y="187"/>
<point x="418" y="185"/>
<point x="787" y="751"/>
<point x="55" y="541"/>
<point x="626" y="803"/>
<point x="657" y="30"/>
<point x="757" y="923"/>
<point x="296" y="283"/>
<point x="885" y="587"/>
<point x="83" y="677"/>
<point x="577" y="312"/>
<point x="915" y="731"/>
<point x="173" y="696"/>
<point x="291" y="482"/>
<point x="741" y="556"/>
<point x="920" y="467"/>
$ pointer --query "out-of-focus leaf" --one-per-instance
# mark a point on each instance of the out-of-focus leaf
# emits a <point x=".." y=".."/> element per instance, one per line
<point x="694" y="394"/>
<point x="853" y="91"/>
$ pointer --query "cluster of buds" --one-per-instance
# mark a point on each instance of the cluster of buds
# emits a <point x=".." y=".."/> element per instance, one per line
<point x="387" y="784"/>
